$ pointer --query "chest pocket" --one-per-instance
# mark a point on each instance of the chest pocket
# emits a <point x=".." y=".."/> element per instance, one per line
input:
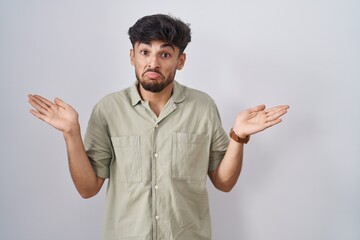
<point x="190" y="156"/>
<point x="128" y="158"/>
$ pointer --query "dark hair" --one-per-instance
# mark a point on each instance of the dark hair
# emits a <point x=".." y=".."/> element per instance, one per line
<point x="161" y="27"/>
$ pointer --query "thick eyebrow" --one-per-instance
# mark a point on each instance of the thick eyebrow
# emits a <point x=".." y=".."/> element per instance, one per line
<point x="165" y="45"/>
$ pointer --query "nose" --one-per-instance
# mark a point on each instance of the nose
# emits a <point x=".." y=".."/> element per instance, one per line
<point x="153" y="62"/>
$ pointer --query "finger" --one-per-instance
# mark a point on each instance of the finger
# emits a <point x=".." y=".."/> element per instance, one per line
<point x="272" y="123"/>
<point x="37" y="114"/>
<point x="40" y="101"/>
<point x="275" y="114"/>
<point x="44" y="100"/>
<point x="257" y="108"/>
<point x="38" y="104"/>
<point x="60" y="103"/>
<point x="276" y="108"/>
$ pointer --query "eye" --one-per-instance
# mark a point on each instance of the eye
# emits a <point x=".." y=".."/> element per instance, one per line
<point x="165" y="55"/>
<point x="144" y="52"/>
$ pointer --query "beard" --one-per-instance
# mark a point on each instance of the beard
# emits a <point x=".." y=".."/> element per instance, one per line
<point x="153" y="85"/>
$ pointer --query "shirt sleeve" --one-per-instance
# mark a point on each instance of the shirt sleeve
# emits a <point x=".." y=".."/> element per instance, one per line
<point x="97" y="143"/>
<point x="219" y="141"/>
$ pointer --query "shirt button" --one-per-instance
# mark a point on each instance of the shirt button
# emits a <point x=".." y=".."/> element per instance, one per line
<point x="157" y="125"/>
<point x="156" y="155"/>
<point x="156" y="187"/>
<point x="157" y="217"/>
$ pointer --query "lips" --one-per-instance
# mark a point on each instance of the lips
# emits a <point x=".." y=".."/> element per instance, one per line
<point x="153" y="74"/>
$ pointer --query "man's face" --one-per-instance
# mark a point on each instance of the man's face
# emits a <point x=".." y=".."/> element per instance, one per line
<point x="156" y="64"/>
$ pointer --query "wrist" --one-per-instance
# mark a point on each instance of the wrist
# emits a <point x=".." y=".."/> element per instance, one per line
<point x="73" y="131"/>
<point x="241" y="138"/>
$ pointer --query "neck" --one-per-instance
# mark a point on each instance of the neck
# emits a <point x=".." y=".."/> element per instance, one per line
<point x="158" y="100"/>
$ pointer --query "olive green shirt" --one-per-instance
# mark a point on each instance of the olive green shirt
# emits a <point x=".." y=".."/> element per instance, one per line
<point x="157" y="166"/>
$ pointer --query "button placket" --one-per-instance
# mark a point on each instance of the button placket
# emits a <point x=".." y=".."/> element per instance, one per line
<point x="154" y="181"/>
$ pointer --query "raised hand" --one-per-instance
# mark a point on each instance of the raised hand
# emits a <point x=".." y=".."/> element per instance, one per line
<point x="57" y="114"/>
<point x="257" y="119"/>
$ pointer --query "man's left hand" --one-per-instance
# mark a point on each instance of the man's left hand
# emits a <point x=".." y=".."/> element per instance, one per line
<point x="257" y="119"/>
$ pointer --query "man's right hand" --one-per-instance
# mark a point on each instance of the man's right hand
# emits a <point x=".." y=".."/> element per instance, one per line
<point x="57" y="114"/>
<point x="64" y="118"/>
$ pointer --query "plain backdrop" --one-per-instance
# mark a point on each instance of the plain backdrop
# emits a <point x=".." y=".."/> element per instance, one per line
<point x="300" y="179"/>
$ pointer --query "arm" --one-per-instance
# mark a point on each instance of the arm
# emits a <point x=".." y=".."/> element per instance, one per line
<point x="64" y="118"/>
<point x="248" y="122"/>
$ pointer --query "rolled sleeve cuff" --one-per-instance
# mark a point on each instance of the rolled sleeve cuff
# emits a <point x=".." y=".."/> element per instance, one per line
<point x="215" y="160"/>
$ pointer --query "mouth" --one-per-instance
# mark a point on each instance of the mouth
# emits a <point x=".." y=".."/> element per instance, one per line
<point x="153" y="74"/>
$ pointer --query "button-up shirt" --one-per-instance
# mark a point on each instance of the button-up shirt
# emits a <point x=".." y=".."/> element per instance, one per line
<point x="157" y="166"/>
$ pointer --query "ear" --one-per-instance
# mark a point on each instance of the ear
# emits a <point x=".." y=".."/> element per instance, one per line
<point x="132" y="57"/>
<point x="181" y="61"/>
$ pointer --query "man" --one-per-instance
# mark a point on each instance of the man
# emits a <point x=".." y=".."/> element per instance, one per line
<point x="156" y="142"/>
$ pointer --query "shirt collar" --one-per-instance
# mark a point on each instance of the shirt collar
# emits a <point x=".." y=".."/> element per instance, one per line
<point x="177" y="94"/>
<point x="135" y="96"/>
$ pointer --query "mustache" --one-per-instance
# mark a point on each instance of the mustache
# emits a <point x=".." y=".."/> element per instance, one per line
<point x="153" y="70"/>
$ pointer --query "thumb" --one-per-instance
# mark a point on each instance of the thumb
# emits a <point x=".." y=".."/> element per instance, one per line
<point x="257" y="108"/>
<point x="60" y="102"/>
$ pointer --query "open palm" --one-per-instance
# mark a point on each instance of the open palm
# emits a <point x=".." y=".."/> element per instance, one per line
<point x="58" y="114"/>
<point x="257" y="119"/>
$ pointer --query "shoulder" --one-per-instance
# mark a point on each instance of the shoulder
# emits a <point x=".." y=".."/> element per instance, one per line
<point x="107" y="104"/>
<point x="200" y="105"/>
<point x="115" y="98"/>
<point x="196" y="96"/>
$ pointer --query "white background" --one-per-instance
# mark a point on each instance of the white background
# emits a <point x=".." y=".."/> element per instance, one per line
<point x="300" y="180"/>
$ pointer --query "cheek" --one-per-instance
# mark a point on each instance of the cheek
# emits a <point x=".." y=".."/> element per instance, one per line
<point x="138" y="72"/>
<point x="171" y="74"/>
<point x="138" y="67"/>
